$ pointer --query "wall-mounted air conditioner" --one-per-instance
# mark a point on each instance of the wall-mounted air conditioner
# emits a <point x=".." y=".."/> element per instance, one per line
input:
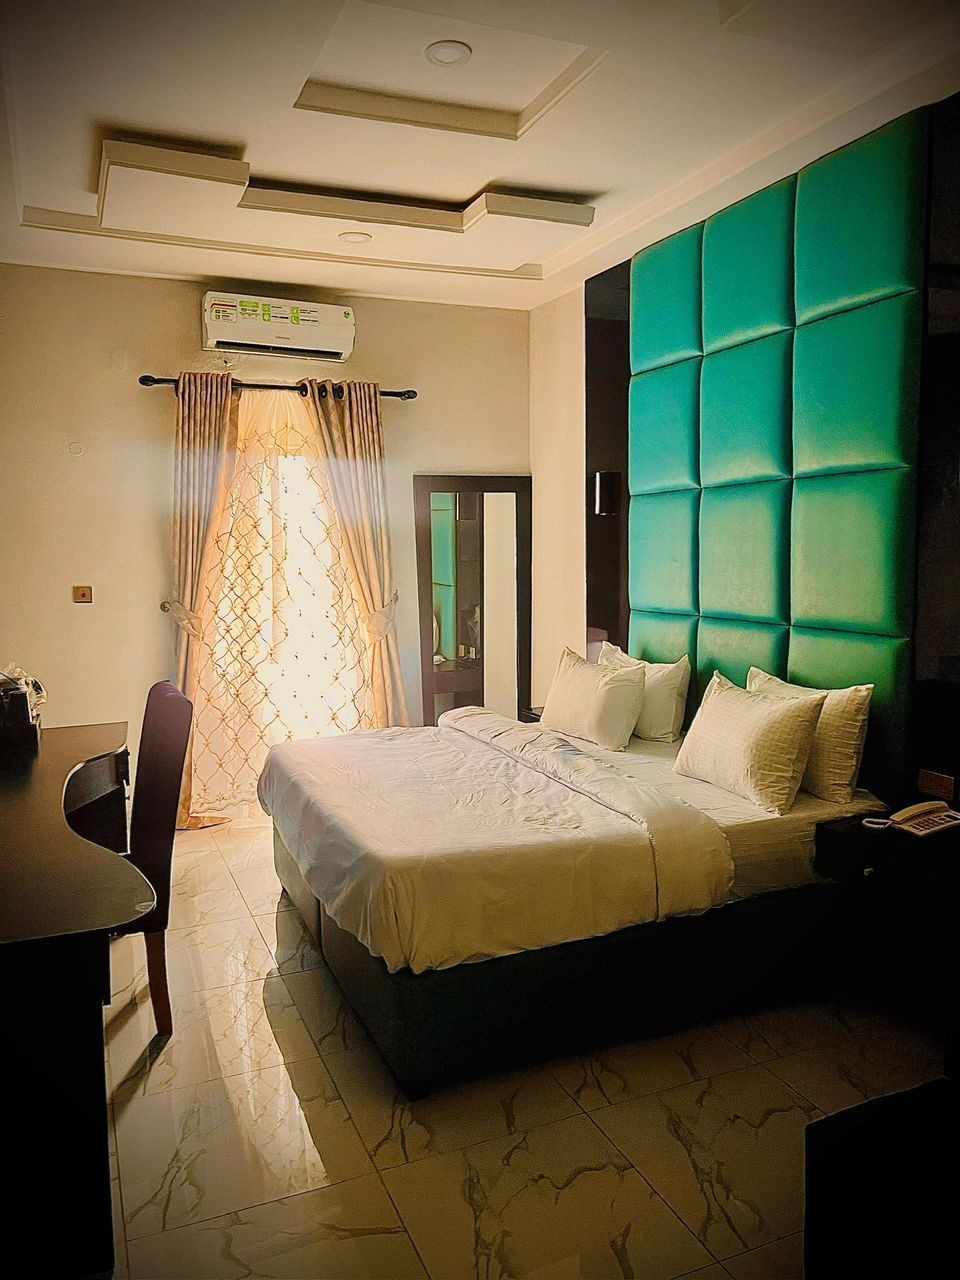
<point x="277" y="327"/>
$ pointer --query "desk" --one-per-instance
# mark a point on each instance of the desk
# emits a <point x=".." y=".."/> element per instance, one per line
<point x="60" y="896"/>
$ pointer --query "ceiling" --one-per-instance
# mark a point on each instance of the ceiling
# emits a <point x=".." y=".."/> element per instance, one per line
<point x="239" y="140"/>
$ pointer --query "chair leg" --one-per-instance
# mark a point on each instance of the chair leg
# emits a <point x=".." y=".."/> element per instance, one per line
<point x="157" y="974"/>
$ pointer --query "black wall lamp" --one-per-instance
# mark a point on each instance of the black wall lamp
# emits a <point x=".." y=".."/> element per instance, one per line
<point x="606" y="493"/>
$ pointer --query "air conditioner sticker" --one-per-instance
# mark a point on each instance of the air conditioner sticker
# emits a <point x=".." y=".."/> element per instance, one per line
<point x="223" y="310"/>
<point x="249" y="309"/>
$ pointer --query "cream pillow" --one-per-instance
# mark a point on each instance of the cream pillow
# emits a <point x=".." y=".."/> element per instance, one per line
<point x="664" y="693"/>
<point x="837" y="750"/>
<point x="750" y="743"/>
<point x="593" y="702"/>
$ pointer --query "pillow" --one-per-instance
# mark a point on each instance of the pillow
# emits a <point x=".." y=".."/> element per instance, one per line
<point x="834" y="762"/>
<point x="664" y="693"/>
<point x="751" y="743"/>
<point x="593" y="702"/>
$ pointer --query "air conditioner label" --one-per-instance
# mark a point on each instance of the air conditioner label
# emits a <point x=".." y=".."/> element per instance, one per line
<point x="249" y="309"/>
<point x="220" y="309"/>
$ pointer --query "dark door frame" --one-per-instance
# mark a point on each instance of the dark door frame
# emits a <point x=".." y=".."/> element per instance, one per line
<point x="522" y="487"/>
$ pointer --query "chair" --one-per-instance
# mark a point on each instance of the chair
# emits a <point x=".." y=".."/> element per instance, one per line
<point x="153" y="820"/>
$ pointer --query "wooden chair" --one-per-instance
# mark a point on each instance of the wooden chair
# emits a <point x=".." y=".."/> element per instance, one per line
<point x="153" y="820"/>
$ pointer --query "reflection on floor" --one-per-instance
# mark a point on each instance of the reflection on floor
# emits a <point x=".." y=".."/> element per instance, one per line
<point x="266" y="1138"/>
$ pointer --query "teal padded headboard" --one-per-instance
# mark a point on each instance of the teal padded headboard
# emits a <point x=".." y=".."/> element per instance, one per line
<point x="443" y="545"/>
<point x="775" y="354"/>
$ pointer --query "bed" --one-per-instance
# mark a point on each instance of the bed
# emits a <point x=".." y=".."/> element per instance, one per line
<point x="493" y="892"/>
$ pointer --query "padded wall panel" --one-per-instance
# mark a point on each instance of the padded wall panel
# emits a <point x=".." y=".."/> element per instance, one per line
<point x="807" y="435"/>
<point x="733" y="647"/>
<point x="745" y="412"/>
<point x="857" y="388"/>
<point x="664" y="416"/>
<point x="748" y="268"/>
<point x="665" y="323"/>
<point x="859" y="221"/>
<point x="745" y="551"/>
<point x="662" y="637"/>
<point x="852" y="560"/>
<point x="831" y="660"/>
<point x="663" y="551"/>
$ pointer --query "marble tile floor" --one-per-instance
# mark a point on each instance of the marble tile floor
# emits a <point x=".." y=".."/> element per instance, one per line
<point x="267" y="1139"/>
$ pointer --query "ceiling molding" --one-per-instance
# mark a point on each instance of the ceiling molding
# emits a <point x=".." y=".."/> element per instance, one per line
<point x="455" y="117"/>
<point x="88" y="224"/>
<point x="425" y="216"/>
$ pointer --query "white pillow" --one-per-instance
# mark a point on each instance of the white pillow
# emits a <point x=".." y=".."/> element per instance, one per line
<point x="750" y="743"/>
<point x="837" y="750"/>
<point x="593" y="702"/>
<point x="664" y="693"/>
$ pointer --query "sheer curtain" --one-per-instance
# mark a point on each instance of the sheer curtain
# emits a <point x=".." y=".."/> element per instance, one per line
<point x="282" y="647"/>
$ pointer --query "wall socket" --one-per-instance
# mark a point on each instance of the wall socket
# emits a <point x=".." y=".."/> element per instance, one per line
<point x="83" y="595"/>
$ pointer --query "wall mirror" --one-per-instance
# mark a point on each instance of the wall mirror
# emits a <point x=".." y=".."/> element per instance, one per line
<point x="473" y="580"/>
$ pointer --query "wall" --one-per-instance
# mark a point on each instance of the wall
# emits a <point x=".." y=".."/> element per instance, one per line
<point x="557" y="463"/>
<point x="73" y="346"/>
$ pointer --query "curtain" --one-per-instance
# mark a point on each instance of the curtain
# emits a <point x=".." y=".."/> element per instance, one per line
<point x="204" y="462"/>
<point x="347" y="419"/>
<point x="281" y="645"/>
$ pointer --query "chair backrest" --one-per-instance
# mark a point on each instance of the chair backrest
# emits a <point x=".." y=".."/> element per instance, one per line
<point x="156" y="795"/>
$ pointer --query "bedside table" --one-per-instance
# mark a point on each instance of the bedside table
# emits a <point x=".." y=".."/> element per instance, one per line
<point x="896" y="911"/>
<point x="531" y="715"/>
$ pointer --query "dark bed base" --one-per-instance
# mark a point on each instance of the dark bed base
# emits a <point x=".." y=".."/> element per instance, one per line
<point x="445" y="1025"/>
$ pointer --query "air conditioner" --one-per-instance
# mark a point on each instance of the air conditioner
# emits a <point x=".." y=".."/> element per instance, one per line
<point x="277" y="327"/>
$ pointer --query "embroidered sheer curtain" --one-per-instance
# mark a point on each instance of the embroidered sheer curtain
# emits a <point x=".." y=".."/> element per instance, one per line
<point x="282" y="642"/>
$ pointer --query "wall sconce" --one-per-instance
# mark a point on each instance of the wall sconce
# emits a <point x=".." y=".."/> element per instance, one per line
<point x="606" y="493"/>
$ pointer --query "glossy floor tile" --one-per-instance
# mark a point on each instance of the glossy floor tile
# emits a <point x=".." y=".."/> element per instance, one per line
<point x="849" y="1071"/>
<point x="397" y="1131"/>
<point x="261" y="890"/>
<point x="205" y="1150"/>
<point x="350" y="1230"/>
<point x="289" y="942"/>
<point x="222" y="1032"/>
<point x="324" y="1009"/>
<point x="725" y="1153"/>
<point x="217" y="955"/>
<point x="632" y="1071"/>
<point x="780" y="1260"/>
<point x="267" y="1138"/>
<point x="556" y="1201"/>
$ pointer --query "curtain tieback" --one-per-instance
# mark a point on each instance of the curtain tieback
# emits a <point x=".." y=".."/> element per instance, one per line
<point x="185" y="618"/>
<point x="380" y="623"/>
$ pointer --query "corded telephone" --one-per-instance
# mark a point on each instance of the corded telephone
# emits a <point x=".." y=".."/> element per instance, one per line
<point x="919" y="819"/>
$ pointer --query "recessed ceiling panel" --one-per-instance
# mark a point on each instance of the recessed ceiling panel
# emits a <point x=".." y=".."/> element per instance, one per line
<point x="382" y="48"/>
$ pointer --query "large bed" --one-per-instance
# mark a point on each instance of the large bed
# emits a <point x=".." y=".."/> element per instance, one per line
<point x="487" y="891"/>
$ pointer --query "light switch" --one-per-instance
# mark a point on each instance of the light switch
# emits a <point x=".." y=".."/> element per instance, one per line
<point x="83" y="595"/>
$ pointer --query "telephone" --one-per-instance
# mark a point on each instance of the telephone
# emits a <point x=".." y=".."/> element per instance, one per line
<point x="919" y="819"/>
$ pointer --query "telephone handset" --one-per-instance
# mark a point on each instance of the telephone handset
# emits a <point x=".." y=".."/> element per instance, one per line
<point x="919" y="819"/>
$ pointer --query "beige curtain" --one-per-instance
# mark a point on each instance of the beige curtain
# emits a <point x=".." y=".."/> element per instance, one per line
<point x="205" y="460"/>
<point x="347" y="418"/>
<point x="282" y="651"/>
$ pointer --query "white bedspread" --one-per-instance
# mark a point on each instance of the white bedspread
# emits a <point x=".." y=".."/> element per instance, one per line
<point x="483" y="837"/>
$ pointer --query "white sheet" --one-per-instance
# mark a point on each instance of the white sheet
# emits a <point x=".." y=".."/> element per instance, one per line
<point x="483" y="837"/>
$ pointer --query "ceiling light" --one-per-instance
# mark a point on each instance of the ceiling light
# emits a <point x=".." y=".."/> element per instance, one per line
<point x="355" y="237"/>
<point x="448" y="53"/>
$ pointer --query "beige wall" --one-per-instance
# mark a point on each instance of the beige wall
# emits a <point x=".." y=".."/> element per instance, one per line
<point x="557" y="462"/>
<point x="73" y="345"/>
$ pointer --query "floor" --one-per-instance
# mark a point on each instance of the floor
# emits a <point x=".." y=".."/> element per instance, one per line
<point x="266" y="1138"/>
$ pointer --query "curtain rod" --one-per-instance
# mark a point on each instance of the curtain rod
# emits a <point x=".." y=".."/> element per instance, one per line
<point x="148" y="380"/>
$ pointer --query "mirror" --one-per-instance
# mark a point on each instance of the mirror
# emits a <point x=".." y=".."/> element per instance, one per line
<point x="473" y="572"/>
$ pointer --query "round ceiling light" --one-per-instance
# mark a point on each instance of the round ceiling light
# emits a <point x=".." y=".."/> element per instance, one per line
<point x="355" y="237"/>
<point x="448" y="53"/>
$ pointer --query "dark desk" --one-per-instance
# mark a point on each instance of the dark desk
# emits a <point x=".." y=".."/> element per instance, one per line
<point x="60" y="896"/>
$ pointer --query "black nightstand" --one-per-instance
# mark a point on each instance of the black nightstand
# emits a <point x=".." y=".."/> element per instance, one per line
<point x="897" y="911"/>
<point x="531" y="715"/>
